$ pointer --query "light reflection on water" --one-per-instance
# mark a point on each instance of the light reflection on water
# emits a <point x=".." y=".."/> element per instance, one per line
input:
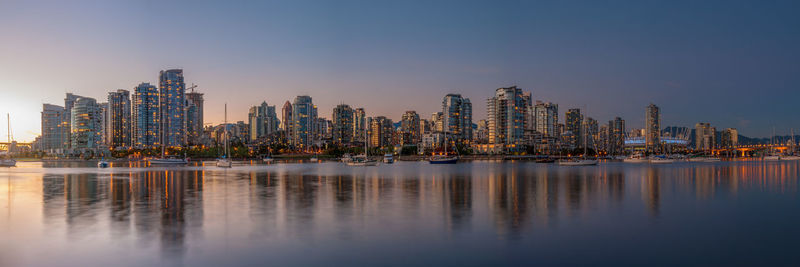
<point x="407" y="213"/>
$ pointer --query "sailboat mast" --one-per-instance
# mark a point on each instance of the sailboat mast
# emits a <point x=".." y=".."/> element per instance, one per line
<point x="8" y="120"/>
<point x="227" y="152"/>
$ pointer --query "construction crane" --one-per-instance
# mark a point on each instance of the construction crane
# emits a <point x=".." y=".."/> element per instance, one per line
<point x="192" y="88"/>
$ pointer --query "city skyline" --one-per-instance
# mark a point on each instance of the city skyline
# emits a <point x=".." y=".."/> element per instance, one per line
<point x="732" y="64"/>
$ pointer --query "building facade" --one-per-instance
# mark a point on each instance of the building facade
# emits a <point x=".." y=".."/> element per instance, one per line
<point x="573" y="125"/>
<point x="457" y="118"/>
<point x="194" y="117"/>
<point x="145" y="116"/>
<point x="506" y="118"/>
<point x="54" y="134"/>
<point x="118" y="119"/>
<point x="304" y="116"/>
<point x="342" y="129"/>
<point x="652" y="135"/>
<point x="172" y="100"/>
<point x="86" y="124"/>
<point x="705" y="136"/>
<point x="409" y="128"/>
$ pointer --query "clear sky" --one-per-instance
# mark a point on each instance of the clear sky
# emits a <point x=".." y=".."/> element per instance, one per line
<point x="730" y="63"/>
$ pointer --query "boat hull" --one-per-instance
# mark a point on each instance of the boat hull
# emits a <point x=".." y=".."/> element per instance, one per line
<point x="8" y="163"/>
<point x="224" y="163"/>
<point x="577" y="163"/>
<point x="635" y="160"/>
<point x="443" y="161"/>
<point x="368" y="163"/>
<point x="168" y="161"/>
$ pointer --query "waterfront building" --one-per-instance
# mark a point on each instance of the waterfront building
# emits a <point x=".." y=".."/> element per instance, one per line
<point x="53" y="133"/>
<point x="263" y="121"/>
<point x="730" y="137"/>
<point x="304" y="116"/>
<point x="705" y="136"/>
<point x="380" y="133"/>
<point x="591" y="130"/>
<point x="457" y="118"/>
<point x="194" y="117"/>
<point x="359" y="125"/>
<point x="69" y="102"/>
<point x="118" y="119"/>
<point x="145" y="117"/>
<point x="86" y="124"/>
<point x="286" y="120"/>
<point x="437" y="123"/>
<point x="653" y="128"/>
<point x="572" y="124"/>
<point x="546" y="118"/>
<point x="482" y="132"/>
<point x="506" y="118"/>
<point x="410" y="128"/>
<point x="172" y="100"/>
<point x="343" y="128"/>
<point x="616" y="136"/>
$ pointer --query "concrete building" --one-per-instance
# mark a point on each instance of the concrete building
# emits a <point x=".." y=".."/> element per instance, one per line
<point x="343" y="128"/>
<point x="262" y="121"/>
<point x="118" y="119"/>
<point x="172" y="100"/>
<point x="705" y="136"/>
<point x="506" y="118"/>
<point x="145" y="117"/>
<point x="652" y="135"/>
<point x="410" y="128"/>
<point x="86" y="124"/>
<point x="53" y="133"/>
<point x="194" y="117"/>
<point x="574" y="128"/>
<point x="381" y="131"/>
<point x="457" y="118"/>
<point x="304" y="117"/>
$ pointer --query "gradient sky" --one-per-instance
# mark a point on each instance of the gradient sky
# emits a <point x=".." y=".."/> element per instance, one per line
<point x="730" y="63"/>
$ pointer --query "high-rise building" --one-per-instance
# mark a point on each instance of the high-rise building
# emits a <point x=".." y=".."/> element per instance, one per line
<point x="730" y="137"/>
<point x="194" y="117"/>
<point x="53" y="133"/>
<point x="69" y="102"/>
<point x="652" y="135"/>
<point x="572" y="124"/>
<point x="507" y="110"/>
<point x="286" y="120"/>
<point x="343" y="124"/>
<point x="118" y="119"/>
<point x="409" y="127"/>
<point x="304" y="116"/>
<point x="457" y="118"/>
<point x="590" y="130"/>
<point x="437" y="122"/>
<point x="705" y="136"/>
<point x="380" y="134"/>
<point x="172" y="100"/>
<point x="482" y="133"/>
<point x="616" y="136"/>
<point x="263" y="121"/>
<point x="359" y="125"/>
<point x="546" y="118"/>
<point x="86" y="124"/>
<point x="145" y="116"/>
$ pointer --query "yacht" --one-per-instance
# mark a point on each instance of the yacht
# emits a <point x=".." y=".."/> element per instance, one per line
<point x="636" y="158"/>
<point x="346" y="158"/>
<point x="225" y="161"/>
<point x="168" y="161"/>
<point x="388" y="158"/>
<point x="444" y="158"/>
<point x="8" y="162"/>
<point x="267" y="159"/>
<point x="660" y="159"/>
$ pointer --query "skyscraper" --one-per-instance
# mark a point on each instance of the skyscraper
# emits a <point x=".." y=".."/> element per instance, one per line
<point x="86" y="124"/>
<point x="118" y="119"/>
<point x="546" y="118"/>
<point x="286" y="120"/>
<point x="653" y="128"/>
<point x="572" y="124"/>
<point x="304" y="116"/>
<point x="359" y="125"/>
<point x="457" y="117"/>
<point x="145" y="116"/>
<point x="263" y="121"/>
<point x="381" y="130"/>
<point x="172" y="100"/>
<point x="705" y="136"/>
<point x="590" y="130"/>
<point x="507" y="110"/>
<point x="409" y="127"/>
<point x="69" y="102"/>
<point x="194" y="117"/>
<point x="730" y="137"/>
<point x="343" y="124"/>
<point x="616" y="136"/>
<point x="53" y="132"/>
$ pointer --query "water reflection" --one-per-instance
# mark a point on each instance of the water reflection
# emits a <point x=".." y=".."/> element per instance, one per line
<point x="176" y="210"/>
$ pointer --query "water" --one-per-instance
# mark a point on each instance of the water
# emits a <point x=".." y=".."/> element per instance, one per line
<point x="408" y="213"/>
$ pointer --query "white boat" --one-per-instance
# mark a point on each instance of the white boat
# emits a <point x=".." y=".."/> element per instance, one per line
<point x="661" y="160"/>
<point x="443" y="159"/>
<point x="168" y="161"/>
<point x="267" y="159"/>
<point x="362" y="160"/>
<point x="313" y="159"/>
<point x="771" y="157"/>
<point x="577" y="162"/>
<point x="790" y="157"/>
<point x="635" y="158"/>
<point x="8" y="163"/>
<point x="346" y="158"/>
<point x="704" y="159"/>
<point x="388" y="158"/>
<point x="103" y="164"/>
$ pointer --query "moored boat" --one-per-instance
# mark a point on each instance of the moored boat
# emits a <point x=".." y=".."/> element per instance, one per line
<point x="388" y="158"/>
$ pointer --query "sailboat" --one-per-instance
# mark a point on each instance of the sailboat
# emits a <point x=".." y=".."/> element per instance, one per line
<point x="225" y="161"/>
<point x="444" y="158"/>
<point x="791" y="155"/>
<point x="584" y="160"/>
<point x="772" y="156"/>
<point x="8" y="162"/>
<point x="363" y="159"/>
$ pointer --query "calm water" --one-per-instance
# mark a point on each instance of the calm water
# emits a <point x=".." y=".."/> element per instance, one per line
<point x="479" y="213"/>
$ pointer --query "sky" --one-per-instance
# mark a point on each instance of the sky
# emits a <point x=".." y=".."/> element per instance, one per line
<point x="730" y="63"/>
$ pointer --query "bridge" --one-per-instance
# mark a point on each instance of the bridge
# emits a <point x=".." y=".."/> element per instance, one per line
<point x="742" y="150"/>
